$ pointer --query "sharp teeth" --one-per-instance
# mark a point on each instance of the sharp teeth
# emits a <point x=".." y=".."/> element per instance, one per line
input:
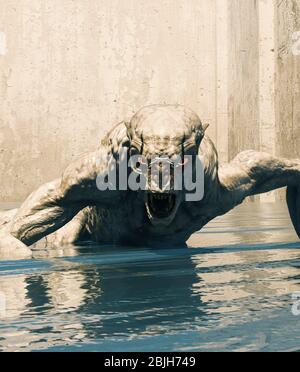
<point x="160" y="197"/>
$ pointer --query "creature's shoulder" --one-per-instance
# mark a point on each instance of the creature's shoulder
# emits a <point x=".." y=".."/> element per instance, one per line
<point x="209" y="156"/>
<point x="117" y="137"/>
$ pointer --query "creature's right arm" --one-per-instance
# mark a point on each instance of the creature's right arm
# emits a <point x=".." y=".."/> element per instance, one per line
<point x="58" y="202"/>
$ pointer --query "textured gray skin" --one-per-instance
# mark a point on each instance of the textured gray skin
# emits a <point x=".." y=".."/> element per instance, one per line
<point x="72" y="209"/>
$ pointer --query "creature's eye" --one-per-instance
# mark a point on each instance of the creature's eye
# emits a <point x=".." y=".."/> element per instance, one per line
<point x="183" y="162"/>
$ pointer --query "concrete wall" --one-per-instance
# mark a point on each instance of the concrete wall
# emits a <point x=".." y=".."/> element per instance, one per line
<point x="243" y="76"/>
<point x="251" y="80"/>
<point x="264" y="78"/>
<point x="71" y="69"/>
<point x="288" y="77"/>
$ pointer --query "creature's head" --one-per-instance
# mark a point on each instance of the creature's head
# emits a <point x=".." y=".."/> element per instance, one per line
<point x="164" y="132"/>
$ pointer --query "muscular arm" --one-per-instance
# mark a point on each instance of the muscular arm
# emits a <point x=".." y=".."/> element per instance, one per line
<point x="44" y="212"/>
<point x="252" y="173"/>
<point x="58" y="202"/>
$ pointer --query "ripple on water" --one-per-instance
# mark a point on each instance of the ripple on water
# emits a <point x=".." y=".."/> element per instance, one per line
<point x="230" y="290"/>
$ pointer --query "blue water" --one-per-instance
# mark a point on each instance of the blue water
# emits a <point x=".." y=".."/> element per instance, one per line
<point x="231" y="290"/>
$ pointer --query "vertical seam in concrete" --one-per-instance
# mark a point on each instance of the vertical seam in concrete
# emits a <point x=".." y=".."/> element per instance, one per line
<point x="266" y="11"/>
<point x="221" y="77"/>
<point x="216" y="71"/>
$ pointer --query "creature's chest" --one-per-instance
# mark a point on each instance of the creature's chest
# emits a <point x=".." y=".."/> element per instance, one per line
<point x="129" y="224"/>
<point x="115" y="224"/>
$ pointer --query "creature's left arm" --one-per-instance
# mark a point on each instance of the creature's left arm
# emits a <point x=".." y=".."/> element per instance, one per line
<point x="252" y="173"/>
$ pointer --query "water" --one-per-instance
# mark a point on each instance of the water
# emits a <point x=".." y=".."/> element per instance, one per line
<point x="231" y="290"/>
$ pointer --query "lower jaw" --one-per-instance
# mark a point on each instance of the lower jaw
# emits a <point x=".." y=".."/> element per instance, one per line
<point x="160" y="220"/>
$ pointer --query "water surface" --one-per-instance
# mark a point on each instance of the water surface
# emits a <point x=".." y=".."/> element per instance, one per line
<point x="230" y="290"/>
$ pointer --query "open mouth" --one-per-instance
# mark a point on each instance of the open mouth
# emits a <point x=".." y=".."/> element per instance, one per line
<point x="161" y="205"/>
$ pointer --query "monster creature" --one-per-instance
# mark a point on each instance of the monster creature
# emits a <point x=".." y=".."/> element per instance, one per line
<point x="73" y="209"/>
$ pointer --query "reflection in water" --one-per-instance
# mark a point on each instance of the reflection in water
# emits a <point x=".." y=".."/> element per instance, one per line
<point x="228" y="295"/>
<point x="14" y="290"/>
<point x="66" y="290"/>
